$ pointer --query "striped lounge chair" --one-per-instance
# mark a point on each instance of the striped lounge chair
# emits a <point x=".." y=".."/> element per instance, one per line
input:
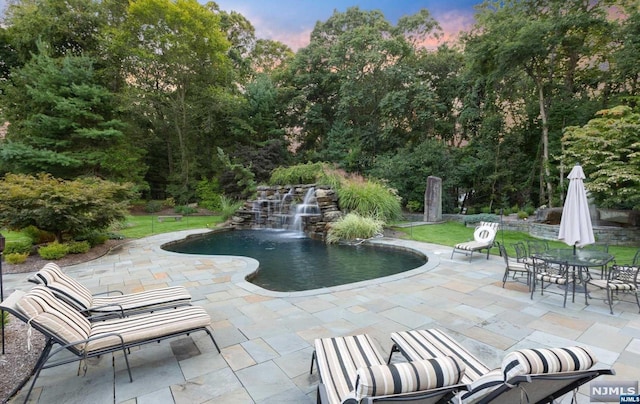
<point x="63" y="325"/>
<point x="113" y="305"/>
<point x="353" y="371"/>
<point x="528" y="375"/>
<point x="483" y="239"/>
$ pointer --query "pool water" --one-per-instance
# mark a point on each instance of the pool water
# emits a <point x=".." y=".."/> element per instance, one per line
<point x="289" y="262"/>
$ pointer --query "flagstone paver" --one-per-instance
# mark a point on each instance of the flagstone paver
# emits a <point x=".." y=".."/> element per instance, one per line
<point x="267" y="337"/>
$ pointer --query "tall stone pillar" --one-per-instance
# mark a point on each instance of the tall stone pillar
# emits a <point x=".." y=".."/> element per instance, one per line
<point x="433" y="200"/>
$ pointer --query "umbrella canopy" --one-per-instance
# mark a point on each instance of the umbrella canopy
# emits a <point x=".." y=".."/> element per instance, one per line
<point x="575" y="226"/>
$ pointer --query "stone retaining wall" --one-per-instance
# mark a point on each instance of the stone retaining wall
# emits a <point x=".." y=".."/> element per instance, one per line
<point x="612" y="235"/>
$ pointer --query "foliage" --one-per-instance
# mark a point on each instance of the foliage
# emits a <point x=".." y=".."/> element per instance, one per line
<point x="63" y="122"/>
<point x="369" y="199"/>
<point x="228" y="207"/>
<point x="353" y="227"/>
<point x="53" y="251"/>
<point x="78" y="247"/>
<point x="18" y="247"/>
<point x="38" y="236"/>
<point x="480" y="217"/>
<point x="608" y="149"/>
<point x="61" y="207"/>
<point x="185" y="210"/>
<point x="208" y="194"/>
<point x="522" y="214"/>
<point x="94" y="238"/>
<point x="308" y="173"/>
<point x="153" y="206"/>
<point x="16" y="257"/>
<point x="237" y="181"/>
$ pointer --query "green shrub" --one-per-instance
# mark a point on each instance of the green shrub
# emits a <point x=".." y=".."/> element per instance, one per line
<point x="16" y="258"/>
<point x="228" y="207"/>
<point x="79" y="247"/>
<point x="18" y="247"/>
<point x="476" y="219"/>
<point x="369" y="199"/>
<point x="38" y="236"/>
<point x="208" y="194"/>
<point x="94" y="238"/>
<point x="522" y="214"/>
<point x="153" y="206"/>
<point x="5" y="317"/>
<point x="169" y="202"/>
<point x="352" y="227"/>
<point x="485" y="209"/>
<point x="530" y="210"/>
<point x="298" y="174"/>
<point x="53" y="251"/>
<point x="185" y="210"/>
<point x="414" y="206"/>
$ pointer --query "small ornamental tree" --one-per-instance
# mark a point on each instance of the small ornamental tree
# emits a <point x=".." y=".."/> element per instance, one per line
<point x="608" y="148"/>
<point x="64" y="208"/>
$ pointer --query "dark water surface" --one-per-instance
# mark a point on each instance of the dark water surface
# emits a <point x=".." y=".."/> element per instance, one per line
<point x="289" y="262"/>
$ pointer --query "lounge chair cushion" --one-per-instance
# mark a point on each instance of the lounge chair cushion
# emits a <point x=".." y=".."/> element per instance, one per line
<point x="433" y="343"/>
<point x="529" y="362"/>
<point x="62" y="320"/>
<point x="42" y="307"/>
<point x="74" y="293"/>
<point x="407" y="377"/>
<point x="482" y="386"/>
<point x="339" y="359"/>
<point x="547" y="360"/>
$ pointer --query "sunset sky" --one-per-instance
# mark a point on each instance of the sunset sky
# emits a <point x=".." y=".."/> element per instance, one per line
<point x="291" y="21"/>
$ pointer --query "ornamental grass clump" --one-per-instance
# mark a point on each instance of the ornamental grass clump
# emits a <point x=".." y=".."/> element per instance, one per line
<point x="370" y="199"/>
<point x="352" y="227"/>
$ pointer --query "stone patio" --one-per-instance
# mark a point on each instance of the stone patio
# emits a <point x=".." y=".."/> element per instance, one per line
<point x="267" y="337"/>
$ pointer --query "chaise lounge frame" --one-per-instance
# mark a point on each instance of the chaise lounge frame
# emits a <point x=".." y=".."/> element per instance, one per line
<point x="337" y="360"/>
<point x="483" y="239"/>
<point x="536" y="388"/>
<point x="109" y="304"/>
<point x="124" y="333"/>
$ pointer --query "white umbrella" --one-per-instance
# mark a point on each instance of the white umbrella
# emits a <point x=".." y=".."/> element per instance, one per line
<point x="575" y="225"/>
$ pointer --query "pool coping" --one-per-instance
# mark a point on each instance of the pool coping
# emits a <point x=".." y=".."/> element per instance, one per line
<point x="239" y="278"/>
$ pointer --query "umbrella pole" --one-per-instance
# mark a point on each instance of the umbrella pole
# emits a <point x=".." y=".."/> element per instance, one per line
<point x="574" y="249"/>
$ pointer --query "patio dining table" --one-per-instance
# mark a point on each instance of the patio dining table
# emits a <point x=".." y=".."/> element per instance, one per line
<point x="579" y="259"/>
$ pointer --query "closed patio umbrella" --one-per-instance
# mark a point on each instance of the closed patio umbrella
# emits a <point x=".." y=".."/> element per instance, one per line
<point x="575" y="226"/>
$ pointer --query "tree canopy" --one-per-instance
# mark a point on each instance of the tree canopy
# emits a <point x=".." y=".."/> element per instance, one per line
<point x="150" y="91"/>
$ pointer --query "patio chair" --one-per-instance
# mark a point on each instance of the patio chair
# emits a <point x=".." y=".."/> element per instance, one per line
<point x="62" y="324"/>
<point x="529" y="375"/>
<point x="352" y="370"/>
<point x="537" y="246"/>
<point x="621" y="279"/>
<point x="514" y="268"/>
<point x="521" y="253"/>
<point x="558" y="274"/>
<point x="483" y="238"/>
<point x="636" y="258"/>
<point x="102" y="306"/>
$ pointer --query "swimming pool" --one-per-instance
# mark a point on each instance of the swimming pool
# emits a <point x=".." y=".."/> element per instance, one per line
<point x="289" y="262"/>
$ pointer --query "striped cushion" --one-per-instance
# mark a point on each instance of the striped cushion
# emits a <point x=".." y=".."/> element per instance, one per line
<point x="482" y="386"/>
<point x="156" y="298"/>
<point x="433" y="343"/>
<point x="74" y="293"/>
<point x="65" y="287"/>
<point x="55" y="316"/>
<point x="407" y="377"/>
<point x="613" y="284"/>
<point x="339" y="359"/>
<point x="551" y="360"/>
<point x="551" y="278"/>
<point x="145" y="327"/>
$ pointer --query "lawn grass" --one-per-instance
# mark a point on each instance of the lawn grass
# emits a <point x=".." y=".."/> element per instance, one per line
<point x="452" y="233"/>
<point x="139" y="226"/>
